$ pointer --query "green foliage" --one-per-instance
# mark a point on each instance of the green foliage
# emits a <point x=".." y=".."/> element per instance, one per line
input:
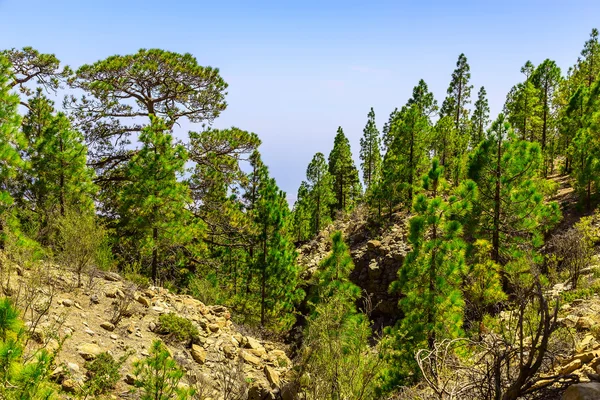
<point x="431" y="276"/>
<point x="511" y="210"/>
<point x="370" y="154"/>
<point x="153" y="211"/>
<point x="480" y="118"/>
<point x="21" y="379"/>
<point x="458" y="95"/>
<point x="81" y="241"/>
<point x="158" y="376"/>
<point x="103" y="374"/>
<point x="178" y="327"/>
<point x="338" y="362"/>
<point x="320" y="195"/>
<point x="344" y="173"/>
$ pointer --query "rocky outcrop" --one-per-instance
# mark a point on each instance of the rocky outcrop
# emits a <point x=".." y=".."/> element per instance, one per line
<point x="583" y="391"/>
<point x="376" y="261"/>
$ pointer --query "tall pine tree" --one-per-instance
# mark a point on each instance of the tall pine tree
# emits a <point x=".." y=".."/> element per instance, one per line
<point x="320" y="194"/>
<point x="343" y="172"/>
<point x="154" y="205"/>
<point x="480" y="117"/>
<point x="370" y="153"/>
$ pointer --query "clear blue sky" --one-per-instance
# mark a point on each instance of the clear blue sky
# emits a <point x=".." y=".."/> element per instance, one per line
<point x="297" y="70"/>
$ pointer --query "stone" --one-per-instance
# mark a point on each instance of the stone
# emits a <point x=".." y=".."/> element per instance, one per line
<point x="213" y="328"/>
<point x="249" y="358"/>
<point x="111" y="293"/>
<point x="584" y="324"/>
<point x="570" y="367"/>
<point x="73" y="368"/>
<point x="90" y="332"/>
<point x="143" y="301"/>
<point x="198" y="354"/>
<point x="67" y="303"/>
<point x="108" y="326"/>
<point x="229" y="351"/>
<point x="279" y="358"/>
<point x="569" y="321"/>
<point x="260" y="352"/>
<point x="272" y="376"/>
<point x="151" y="326"/>
<point x="586" y="343"/>
<point x="114" y="337"/>
<point x="584" y="357"/>
<point x="582" y="391"/>
<point x="69" y="385"/>
<point x="89" y="351"/>
<point x="373" y="244"/>
<point x="131" y="328"/>
<point x="251" y="343"/>
<point x="94" y="299"/>
<point x="112" y="277"/>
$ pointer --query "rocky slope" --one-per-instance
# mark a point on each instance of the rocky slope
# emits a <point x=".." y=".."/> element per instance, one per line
<point x="221" y="361"/>
<point x="377" y="253"/>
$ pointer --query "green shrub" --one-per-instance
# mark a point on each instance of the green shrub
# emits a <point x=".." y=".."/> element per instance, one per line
<point x="582" y="293"/>
<point x="178" y="327"/>
<point x="206" y="289"/>
<point x="133" y="273"/>
<point x="103" y="374"/>
<point x="158" y="376"/>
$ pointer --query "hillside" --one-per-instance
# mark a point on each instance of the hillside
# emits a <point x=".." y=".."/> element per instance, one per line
<point x="222" y="362"/>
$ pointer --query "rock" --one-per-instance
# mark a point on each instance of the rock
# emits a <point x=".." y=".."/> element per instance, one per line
<point x="151" y="326"/>
<point x="584" y="324"/>
<point x="143" y="301"/>
<point x="229" y="351"/>
<point x="131" y="328"/>
<point x="373" y="244"/>
<point x="260" y="352"/>
<point x="89" y="351"/>
<point x="112" y="277"/>
<point x="586" y="343"/>
<point x="272" y="376"/>
<point x="94" y="299"/>
<point x="114" y="337"/>
<point x="158" y="309"/>
<point x="111" y="293"/>
<point x="569" y="321"/>
<point x="69" y="385"/>
<point x="67" y="303"/>
<point x="249" y="358"/>
<point x="108" y="326"/>
<point x="73" y="368"/>
<point x="279" y="358"/>
<point x="213" y="328"/>
<point x="582" y="391"/>
<point x="90" y="332"/>
<point x="198" y="354"/>
<point x="251" y="343"/>
<point x="570" y="367"/>
<point x="584" y="357"/>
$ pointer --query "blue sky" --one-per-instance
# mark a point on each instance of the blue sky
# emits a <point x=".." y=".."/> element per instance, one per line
<point x="298" y="70"/>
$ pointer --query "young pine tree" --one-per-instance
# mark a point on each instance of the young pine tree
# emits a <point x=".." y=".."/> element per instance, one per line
<point x="320" y="193"/>
<point x="511" y="209"/>
<point x="459" y="95"/>
<point x="276" y="258"/>
<point x="337" y="357"/>
<point x="11" y="140"/>
<point x="431" y="276"/>
<point x="154" y="203"/>
<point x="480" y="118"/>
<point x="370" y="154"/>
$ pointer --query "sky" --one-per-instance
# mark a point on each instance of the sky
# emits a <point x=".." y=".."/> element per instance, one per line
<point x="299" y="69"/>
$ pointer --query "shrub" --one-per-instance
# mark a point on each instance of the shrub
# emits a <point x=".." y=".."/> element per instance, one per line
<point x="103" y="374"/>
<point x="177" y="327"/>
<point x="158" y="376"/>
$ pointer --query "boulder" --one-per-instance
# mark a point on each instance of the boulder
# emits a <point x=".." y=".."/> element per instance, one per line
<point x="584" y="324"/>
<point x="89" y="351"/>
<point x="583" y="391"/>
<point x="373" y="244"/>
<point x="249" y="358"/>
<point x="143" y="301"/>
<point x="108" y="326"/>
<point x="570" y="367"/>
<point x="198" y="354"/>
<point x="272" y="376"/>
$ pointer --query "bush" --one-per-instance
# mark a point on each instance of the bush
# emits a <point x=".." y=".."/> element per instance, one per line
<point x="177" y="327"/>
<point x="103" y="374"/>
<point x="206" y="289"/>
<point x="158" y="376"/>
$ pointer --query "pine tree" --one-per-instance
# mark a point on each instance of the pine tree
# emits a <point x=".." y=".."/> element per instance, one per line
<point x="154" y="203"/>
<point x="431" y="275"/>
<point x="588" y="67"/>
<point x="343" y="172"/>
<point x="11" y="140"/>
<point x="58" y="178"/>
<point x="301" y="214"/>
<point x="546" y="78"/>
<point x="511" y="209"/>
<point x="459" y="94"/>
<point x="480" y="118"/>
<point x="276" y="261"/>
<point x="523" y="107"/>
<point x="320" y="192"/>
<point x="370" y="151"/>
